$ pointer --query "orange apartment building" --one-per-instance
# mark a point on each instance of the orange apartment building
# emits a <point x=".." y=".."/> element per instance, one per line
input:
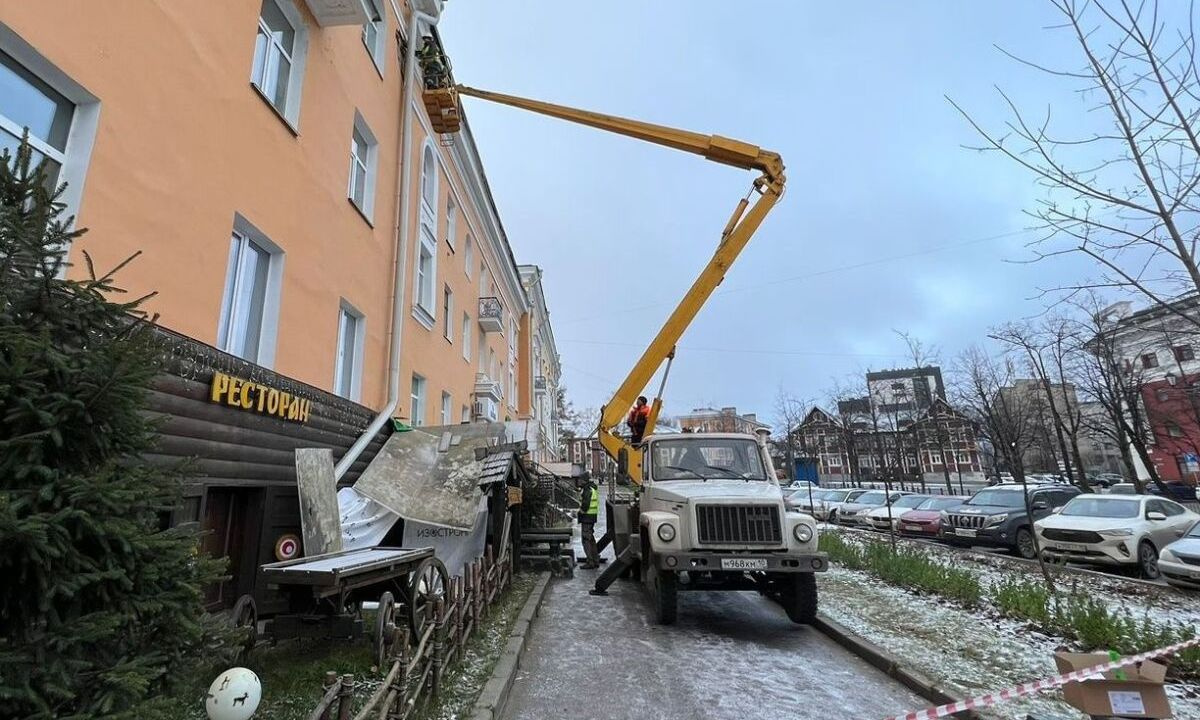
<point x="272" y="162"/>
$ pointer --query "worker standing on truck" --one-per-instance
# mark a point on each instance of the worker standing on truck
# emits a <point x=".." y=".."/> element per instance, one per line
<point x="638" y="417"/>
<point x="589" y="511"/>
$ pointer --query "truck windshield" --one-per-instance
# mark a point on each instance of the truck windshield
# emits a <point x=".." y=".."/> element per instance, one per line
<point x="707" y="459"/>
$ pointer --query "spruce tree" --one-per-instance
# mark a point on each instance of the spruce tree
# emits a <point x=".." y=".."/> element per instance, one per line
<point x="100" y="601"/>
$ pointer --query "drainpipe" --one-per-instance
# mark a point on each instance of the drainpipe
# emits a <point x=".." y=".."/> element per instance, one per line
<point x="404" y="175"/>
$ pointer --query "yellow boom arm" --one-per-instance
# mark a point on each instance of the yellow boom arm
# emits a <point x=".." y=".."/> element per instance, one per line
<point x="738" y="231"/>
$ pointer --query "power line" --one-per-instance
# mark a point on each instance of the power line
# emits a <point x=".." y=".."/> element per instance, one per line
<point x="815" y="274"/>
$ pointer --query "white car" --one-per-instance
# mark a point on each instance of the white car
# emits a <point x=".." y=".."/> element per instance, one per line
<point x="855" y="512"/>
<point x="1114" y="530"/>
<point x="828" y="508"/>
<point x="877" y="519"/>
<point x="1179" y="562"/>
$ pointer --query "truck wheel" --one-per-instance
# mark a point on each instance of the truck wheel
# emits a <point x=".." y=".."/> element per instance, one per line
<point x="1024" y="544"/>
<point x="665" y="594"/>
<point x="799" y="598"/>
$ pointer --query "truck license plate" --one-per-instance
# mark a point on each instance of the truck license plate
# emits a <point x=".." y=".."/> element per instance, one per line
<point x="743" y="564"/>
<point x="965" y="532"/>
<point x="1072" y="547"/>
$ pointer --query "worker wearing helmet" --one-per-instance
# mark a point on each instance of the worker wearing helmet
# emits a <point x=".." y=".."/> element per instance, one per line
<point x="589" y="511"/>
<point x="638" y="417"/>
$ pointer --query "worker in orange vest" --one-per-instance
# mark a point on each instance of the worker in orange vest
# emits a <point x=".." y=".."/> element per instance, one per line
<point x="638" y="417"/>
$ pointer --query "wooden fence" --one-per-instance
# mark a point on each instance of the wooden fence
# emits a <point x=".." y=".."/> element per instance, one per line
<point x="417" y="670"/>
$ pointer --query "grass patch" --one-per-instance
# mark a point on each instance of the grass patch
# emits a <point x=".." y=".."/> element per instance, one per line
<point x="292" y="672"/>
<point x="905" y="566"/>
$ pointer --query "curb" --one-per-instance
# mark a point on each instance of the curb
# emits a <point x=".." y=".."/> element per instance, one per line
<point x="888" y="664"/>
<point x="490" y="703"/>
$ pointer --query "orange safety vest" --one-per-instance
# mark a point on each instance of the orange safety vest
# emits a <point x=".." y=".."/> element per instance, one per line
<point x="637" y="414"/>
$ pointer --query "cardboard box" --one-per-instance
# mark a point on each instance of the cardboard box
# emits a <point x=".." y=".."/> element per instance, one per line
<point x="1139" y="695"/>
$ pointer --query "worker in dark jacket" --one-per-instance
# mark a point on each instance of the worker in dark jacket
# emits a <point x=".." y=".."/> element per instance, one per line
<point x="589" y="510"/>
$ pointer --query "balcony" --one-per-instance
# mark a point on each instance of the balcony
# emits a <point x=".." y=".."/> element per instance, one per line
<point x="332" y="13"/>
<point x="539" y="384"/>
<point x="485" y="387"/>
<point x="491" y="314"/>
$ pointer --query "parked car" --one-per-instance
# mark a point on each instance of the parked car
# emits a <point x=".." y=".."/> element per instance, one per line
<point x="828" y="508"/>
<point x="1109" y="479"/>
<point x="804" y="499"/>
<point x="1177" y="491"/>
<point x="1122" y="488"/>
<point x="854" y="513"/>
<point x="801" y="485"/>
<point x="1106" y="530"/>
<point x="996" y="516"/>
<point x="879" y="518"/>
<point x="1179" y="562"/>
<point x="925" y="520"/>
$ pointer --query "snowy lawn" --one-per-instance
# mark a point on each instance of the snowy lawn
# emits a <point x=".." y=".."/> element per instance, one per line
<point x="973" y="651"/>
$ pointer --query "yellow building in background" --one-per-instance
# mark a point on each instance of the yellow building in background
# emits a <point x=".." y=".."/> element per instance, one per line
<point x="273" y="164"/>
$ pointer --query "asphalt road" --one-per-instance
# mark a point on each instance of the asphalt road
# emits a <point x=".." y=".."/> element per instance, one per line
<point x="731" y="655"/>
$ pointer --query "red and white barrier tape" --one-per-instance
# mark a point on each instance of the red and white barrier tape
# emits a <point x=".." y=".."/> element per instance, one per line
<point x="994" y="698"/>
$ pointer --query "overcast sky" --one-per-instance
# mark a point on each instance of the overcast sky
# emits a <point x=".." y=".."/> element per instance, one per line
<point x="888" y="223"/>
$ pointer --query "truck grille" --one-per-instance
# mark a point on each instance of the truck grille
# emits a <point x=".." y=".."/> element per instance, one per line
<point x="968" y="521"/>
<point x="738" y="525"/>
<point x="1075" y="536"/>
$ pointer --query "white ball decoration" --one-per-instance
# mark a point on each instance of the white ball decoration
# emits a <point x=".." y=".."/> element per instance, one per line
<point x="234" y="695"/>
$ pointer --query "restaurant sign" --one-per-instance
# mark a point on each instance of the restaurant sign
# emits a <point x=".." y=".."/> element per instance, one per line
<point x="255" y="397"/>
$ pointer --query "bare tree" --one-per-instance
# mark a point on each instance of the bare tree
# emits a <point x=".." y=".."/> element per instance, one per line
<point x="1125" y="193"/>
<point x="988" y="392"/>
<point x="789" y="413"/>
<point x="923" y="355"/>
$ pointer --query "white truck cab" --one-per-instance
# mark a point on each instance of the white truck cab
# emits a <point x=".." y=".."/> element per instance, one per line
<point x="711" y="516"/>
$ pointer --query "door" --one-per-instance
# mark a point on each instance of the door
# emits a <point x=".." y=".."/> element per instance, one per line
<point x="1178" y="520"/>
<point x="1159" y="531"/>
<point x="230" y="520"/>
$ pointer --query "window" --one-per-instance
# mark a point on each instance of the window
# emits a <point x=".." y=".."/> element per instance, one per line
<point x="1173" y="429"/>
<point x="61" y="116"/>
<point x="429" y="180"/>
<point x="466" y="414"/>
<point x="373" y="33"/>
<point x="28" y="103"/>
<point x="363" y="159"/>
<point x="1184" y="352"/>
<point x="348" y="365"/>
<point x="447" y="313"/>
<point x="1162" y="394"/>
<point x="469" y="260"/>
<point x="451" y="223"/>
<point x="425" y="280"/>
<point x="1149" y="360"/>
<point x="249" y="309"/>
<point x="418" y="400"/>
<point x="279" y="51"/>
<point x="466" y="337"/>
<point x="446" y="405"/>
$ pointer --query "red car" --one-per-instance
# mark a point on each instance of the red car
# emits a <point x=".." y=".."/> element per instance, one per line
<point x="925" y="520"/>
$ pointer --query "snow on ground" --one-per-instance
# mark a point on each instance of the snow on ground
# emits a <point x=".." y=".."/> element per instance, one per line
<point x="971" y="652"/>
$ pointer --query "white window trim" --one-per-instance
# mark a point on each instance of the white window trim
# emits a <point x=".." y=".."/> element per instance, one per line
<point x="428" y="210"/>
<point x="417" y="400"/>
<point x="427" y="316"/>
<point x="447" y="407"/>
<point x="290" y="113"/>
<point x="451" y="222"/>
<point x="377" y="53"/>
<point x="81" y="137"/>
<point x="269" y="333"/>
<point x="370" y="163"/>
<point x="469" y="256"/>
<point x="448" y="325"/>
<point x="466" y="341"/>
<point x="360" y="325"/>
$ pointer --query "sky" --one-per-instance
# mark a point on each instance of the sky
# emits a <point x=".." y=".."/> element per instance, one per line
<point x="890" y="221"/>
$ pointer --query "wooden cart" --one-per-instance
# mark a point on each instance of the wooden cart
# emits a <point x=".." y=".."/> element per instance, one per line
<point x="326" y="594"/>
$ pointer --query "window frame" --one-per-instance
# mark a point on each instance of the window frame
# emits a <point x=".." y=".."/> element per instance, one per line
<point x="290" y="112"/>
<point x="245" y="233"/>
<point x="81" y="133"/>
<point x="369" y="165"/>
<point x="1149" y="360"/>
<point x="417" y="392"/>
<point x="376" y="50"/>
<point x="425" y="295"/>
<point x="448" y="312"/>
<point x="451" y="223"/>
<point x="1184" y="353"/>
<point x="447" y="407"/>
<point x="354" y="392"/>
<point x="466" y="341"/>
<point x="469" y="256"/>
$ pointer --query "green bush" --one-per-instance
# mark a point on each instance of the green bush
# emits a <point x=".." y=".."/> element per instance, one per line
<point x="906" y="566"/>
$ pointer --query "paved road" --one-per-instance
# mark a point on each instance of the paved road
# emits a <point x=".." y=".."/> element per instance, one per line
<point x="731" y="655"/>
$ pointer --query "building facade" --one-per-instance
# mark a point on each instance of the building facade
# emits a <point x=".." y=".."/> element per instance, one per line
<point x="905" y="391"/>
<point x="544" y="370"/>
<point x="284" y="211"/>
<point x="726" y="420"/>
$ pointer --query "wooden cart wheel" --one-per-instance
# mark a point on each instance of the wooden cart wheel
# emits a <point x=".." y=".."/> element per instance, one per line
<point x="425" y="587"/>
<point x="244" y="617"/>
<point x="385" y="623"/>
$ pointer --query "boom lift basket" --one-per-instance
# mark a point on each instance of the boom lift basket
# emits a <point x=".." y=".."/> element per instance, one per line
<point x="442" y="106"/>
